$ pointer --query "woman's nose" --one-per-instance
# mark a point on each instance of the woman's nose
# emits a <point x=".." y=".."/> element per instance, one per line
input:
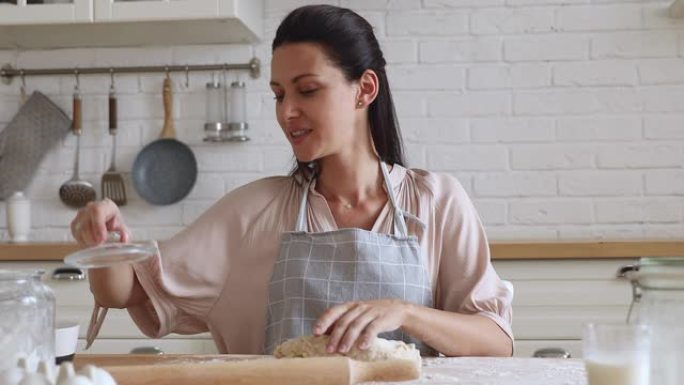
<point x="290" y="109"/>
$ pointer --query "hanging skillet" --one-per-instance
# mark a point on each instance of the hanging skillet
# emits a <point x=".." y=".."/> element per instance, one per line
<point x="165" y="170"/>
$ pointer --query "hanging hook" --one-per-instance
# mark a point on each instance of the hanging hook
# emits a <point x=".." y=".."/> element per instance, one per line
<point x="22" y="89"/>
<point x="187" y="76"/>
<point x="77" y="87"/>
<point x="111" y="75"/>
<point x="224" y="79"/>
<point x="166" y="69"/>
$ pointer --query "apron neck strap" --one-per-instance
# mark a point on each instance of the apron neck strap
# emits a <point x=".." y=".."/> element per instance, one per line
<point x="400" y="228"/>
<point x="301" y="216"/>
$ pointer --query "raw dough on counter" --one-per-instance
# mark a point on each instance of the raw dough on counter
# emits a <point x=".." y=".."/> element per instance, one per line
<point x="314" y="346"/>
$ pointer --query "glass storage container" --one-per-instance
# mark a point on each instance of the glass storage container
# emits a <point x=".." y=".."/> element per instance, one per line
<point x="215" y="111"/>
<point x="27" y="319"/>
<point x="658" y="301"/>
<point x="238" y="112"/>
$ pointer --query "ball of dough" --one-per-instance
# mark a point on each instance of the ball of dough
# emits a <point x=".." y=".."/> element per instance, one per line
<point x="380" y="349"/>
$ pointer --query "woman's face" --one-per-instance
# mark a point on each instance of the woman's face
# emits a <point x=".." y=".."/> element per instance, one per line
<point x="315" y="104"/>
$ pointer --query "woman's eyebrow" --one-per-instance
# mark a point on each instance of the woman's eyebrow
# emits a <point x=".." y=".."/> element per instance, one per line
<point x="294" y="80"/>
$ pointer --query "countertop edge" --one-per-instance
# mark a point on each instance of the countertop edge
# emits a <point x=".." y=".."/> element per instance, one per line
<point x="523" y="250"/>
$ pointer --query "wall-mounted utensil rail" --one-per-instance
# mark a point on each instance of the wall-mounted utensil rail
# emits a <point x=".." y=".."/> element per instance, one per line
<point x="8" y="73"/>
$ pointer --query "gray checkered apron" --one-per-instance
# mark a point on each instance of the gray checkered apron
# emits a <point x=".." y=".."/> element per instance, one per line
<point x="315" y="271"/>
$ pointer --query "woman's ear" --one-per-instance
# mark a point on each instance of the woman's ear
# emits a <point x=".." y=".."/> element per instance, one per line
<point x="369" y="85"/>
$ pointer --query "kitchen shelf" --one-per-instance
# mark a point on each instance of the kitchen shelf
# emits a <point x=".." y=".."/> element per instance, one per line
<point x="236" y="22"/>
<point x="35" y="251"/>
<point x="500" y="250"/>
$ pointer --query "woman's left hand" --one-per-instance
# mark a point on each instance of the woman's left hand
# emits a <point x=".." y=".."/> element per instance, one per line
<point x="360" y="322"/>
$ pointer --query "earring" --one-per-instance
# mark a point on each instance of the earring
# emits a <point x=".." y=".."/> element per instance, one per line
<point x="359" y="103"/>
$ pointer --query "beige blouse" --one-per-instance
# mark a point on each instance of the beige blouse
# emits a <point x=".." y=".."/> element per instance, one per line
<point x="213" y="276"/>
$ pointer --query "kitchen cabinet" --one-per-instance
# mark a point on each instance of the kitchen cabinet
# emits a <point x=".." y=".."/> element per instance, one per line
<point x="555" y="298"/>
<point x="116" y="23"/>
<point x="146" y="10"/>
<point x="20" y="12"/>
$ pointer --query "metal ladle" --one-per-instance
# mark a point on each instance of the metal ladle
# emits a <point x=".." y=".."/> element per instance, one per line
<point x="76" y="192"/>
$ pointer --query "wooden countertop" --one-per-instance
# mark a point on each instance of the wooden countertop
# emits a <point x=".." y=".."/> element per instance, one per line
<point x="500" y="250"/>
<point x="442" y="370"/>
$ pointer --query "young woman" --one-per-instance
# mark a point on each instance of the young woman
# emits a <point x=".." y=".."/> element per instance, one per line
<point x="352" y="244"/>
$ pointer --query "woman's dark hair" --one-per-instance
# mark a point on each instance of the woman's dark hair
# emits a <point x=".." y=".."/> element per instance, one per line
<point x="350" y="44"/>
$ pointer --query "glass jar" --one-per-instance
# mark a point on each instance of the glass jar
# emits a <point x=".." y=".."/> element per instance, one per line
<point x="27" y="321"/>
<point x="215" y="111"/>
<point x="238" y="112"/>
<point x="658" y="301"/>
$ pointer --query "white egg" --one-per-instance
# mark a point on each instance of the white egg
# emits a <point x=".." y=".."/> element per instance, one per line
<point x="97" y="376"/>
<point x="34" y="379"/>
<point x="11" y="376"/>
<point x="66" y="370"/>
<point x="76" y="380"/>
<point x="47" y="370"/>
<point x="22" y="363"/>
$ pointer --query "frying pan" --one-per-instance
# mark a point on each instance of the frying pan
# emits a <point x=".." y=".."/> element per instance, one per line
<point x="165" y="170"/>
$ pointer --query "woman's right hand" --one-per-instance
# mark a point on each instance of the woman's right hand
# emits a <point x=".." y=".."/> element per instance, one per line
<point x="95" y="220"/>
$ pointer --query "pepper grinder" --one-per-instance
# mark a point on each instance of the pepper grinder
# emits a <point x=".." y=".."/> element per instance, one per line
<point x="18" y="217"/>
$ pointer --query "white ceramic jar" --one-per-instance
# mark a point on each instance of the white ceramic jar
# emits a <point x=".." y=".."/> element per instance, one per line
<point x="18" y="217"/>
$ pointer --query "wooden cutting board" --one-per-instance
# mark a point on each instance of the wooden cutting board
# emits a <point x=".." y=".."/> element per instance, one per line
<point x="250" y="370"/>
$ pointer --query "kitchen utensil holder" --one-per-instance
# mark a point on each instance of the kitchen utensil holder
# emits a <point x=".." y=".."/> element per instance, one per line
<point x="8" y="72"/>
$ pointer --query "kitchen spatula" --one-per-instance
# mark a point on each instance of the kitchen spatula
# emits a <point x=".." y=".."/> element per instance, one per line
<point x="113" y="186"/>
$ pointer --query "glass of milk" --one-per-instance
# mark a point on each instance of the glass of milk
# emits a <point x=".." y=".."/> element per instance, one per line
<point x="617" y="354"/>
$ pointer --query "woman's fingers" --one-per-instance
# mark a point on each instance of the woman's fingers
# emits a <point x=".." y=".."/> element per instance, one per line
<point x="93" y="221"/>
<point x="330" y="316"/>
<point x="371" y="332"/>
<point x="359" y="323"/>
<point x="340" y="329"/>
<point x="100" y="214"/>
<point x="355" y="329"/>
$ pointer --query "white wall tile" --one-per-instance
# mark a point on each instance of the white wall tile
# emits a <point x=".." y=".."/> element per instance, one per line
<point x="562" y="118"/>
<point x="600" y="183"/>
<point x="427" y="23"/>
<point x="642" y="44"/>
<point x="551" y="212"/>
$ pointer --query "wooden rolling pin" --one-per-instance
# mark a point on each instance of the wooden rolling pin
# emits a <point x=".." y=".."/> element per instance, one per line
<point x="286" y="371"/>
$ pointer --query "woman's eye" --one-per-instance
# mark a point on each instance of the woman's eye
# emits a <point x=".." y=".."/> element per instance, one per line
<point x="309" y="91"/>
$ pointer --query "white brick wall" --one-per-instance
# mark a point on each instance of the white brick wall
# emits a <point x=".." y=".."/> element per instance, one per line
<point x="562" y="118"/>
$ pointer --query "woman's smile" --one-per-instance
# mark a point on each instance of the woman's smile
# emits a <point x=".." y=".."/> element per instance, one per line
<point x="299" y="135"/>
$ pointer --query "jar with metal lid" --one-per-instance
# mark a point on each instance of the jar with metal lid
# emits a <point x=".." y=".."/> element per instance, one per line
<point x="658" y="301"/>
<point x="27" y="309"/>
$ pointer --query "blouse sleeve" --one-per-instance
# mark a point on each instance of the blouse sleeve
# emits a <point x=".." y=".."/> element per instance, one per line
<point x="467" y="282"/>
<point x="185" y="279"/>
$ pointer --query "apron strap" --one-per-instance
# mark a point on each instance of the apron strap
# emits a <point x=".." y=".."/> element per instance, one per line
<point x="301" y="217"/>
<point x="400" y="228"/>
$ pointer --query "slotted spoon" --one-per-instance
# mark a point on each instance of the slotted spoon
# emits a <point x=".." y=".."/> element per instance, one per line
<point x="77" y="192"/>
